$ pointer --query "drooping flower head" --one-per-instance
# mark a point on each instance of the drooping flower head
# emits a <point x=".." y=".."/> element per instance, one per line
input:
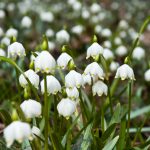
<point x="125" y="72"/>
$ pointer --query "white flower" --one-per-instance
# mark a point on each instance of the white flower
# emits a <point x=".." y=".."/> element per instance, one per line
<point x="106" y="32"/>
<point x="114" y="66"/>
<point x="62" y="36"/>
<point x="73" y="79"/>
<point x="98" y="29"/>
<point x="95" y="8"/>
<point x="78" y="29"/>
<point x="63" y="60"/>
<point x="16" y="49"/>
<point x="51" y="45"/>
<point x="46" y="16"/>
<point x="35" y="131"/>
<point x="99" y="88"/>
<point x="85" y="14"/>
<point x="5" y="41"/>
<point x="86" y="79"/>
<point x="107" y="44"/>
<point x="17" y="130"/>
<point x="94" y="50"/>
<point x="2" y="14"/>
<point x="108" y="54"/>
<point x="123" y="24"/>
<point x="123" y="34"/>
<point x="12" y="32"/>
<point x="44" y="62"/>
<point x="94" y="70"/>
<point x="66" y="107"/>
<point x="117" y="41"/>
<point x="49" y="33"/>
<point x="138" y="53"/>
<point x="31" y="108"/>
<point x="26" y="22"/>
<point x="125" y="72"/>
<point x="77" y="6"/>
<point x="2" y="52"/>
<point x="32" y="76"/>
<point x="72" y="93"/>
<point x="147" y="75"/>
<point x="121" y="50"/>
<point x="53" y="85"/>
<point x="133" y="34"/>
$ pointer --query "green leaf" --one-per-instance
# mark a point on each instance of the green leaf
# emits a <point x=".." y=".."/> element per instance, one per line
<point x="63" y="142"/>
<point x="122" y="135"/>
<point x="139" y="112"/>
<point x="119" y="113"/>
<point x="5" y="116"/>
<point x="108" y="132"/>
<point x="87" y="137"/>
<point x="110" y="145"/>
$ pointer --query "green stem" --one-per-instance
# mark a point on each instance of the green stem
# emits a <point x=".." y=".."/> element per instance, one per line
<point x="109" y="96"/>
<point x="129" y="109"/>
<point x="18" y="86"/>
<point x="45" y="113"/>
<point x="102" y="117"/>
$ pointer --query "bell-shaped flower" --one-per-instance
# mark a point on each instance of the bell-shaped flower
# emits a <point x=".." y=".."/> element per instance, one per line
<point x="108" y="54"/>
<point x="63" y="60"/>
<point x="16" y="49"/>
<point x="78" y="29"/>
<point x="94" y="70"/>
<point x="138" y="53"/>
<point x="121" y="51"/>
<point x="147" y="75"/>
<point x="106" y="32"/>
<point x="32" y="76"/>
<point x="73" y="79"/>
<point x="44" y="62"/>
<point x="94" y="50"/>
<point x="11" y="32"/>
<point x="86" y="79"/>
<point x="99" y="88"/>
<point x="66" y="107"/>
<point x="31" y="108"/>
<point x="53" y="85"/>
<point x="114" y="66"/>
<point x="47" y="16"/>
<point x="125" y="72"/>
<point x="17" y="130"/>
<point x="107" y="44"/>
<point x="26" y="22"/>
<point x="62" y="36"/>
<point x="72" y="93"/>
